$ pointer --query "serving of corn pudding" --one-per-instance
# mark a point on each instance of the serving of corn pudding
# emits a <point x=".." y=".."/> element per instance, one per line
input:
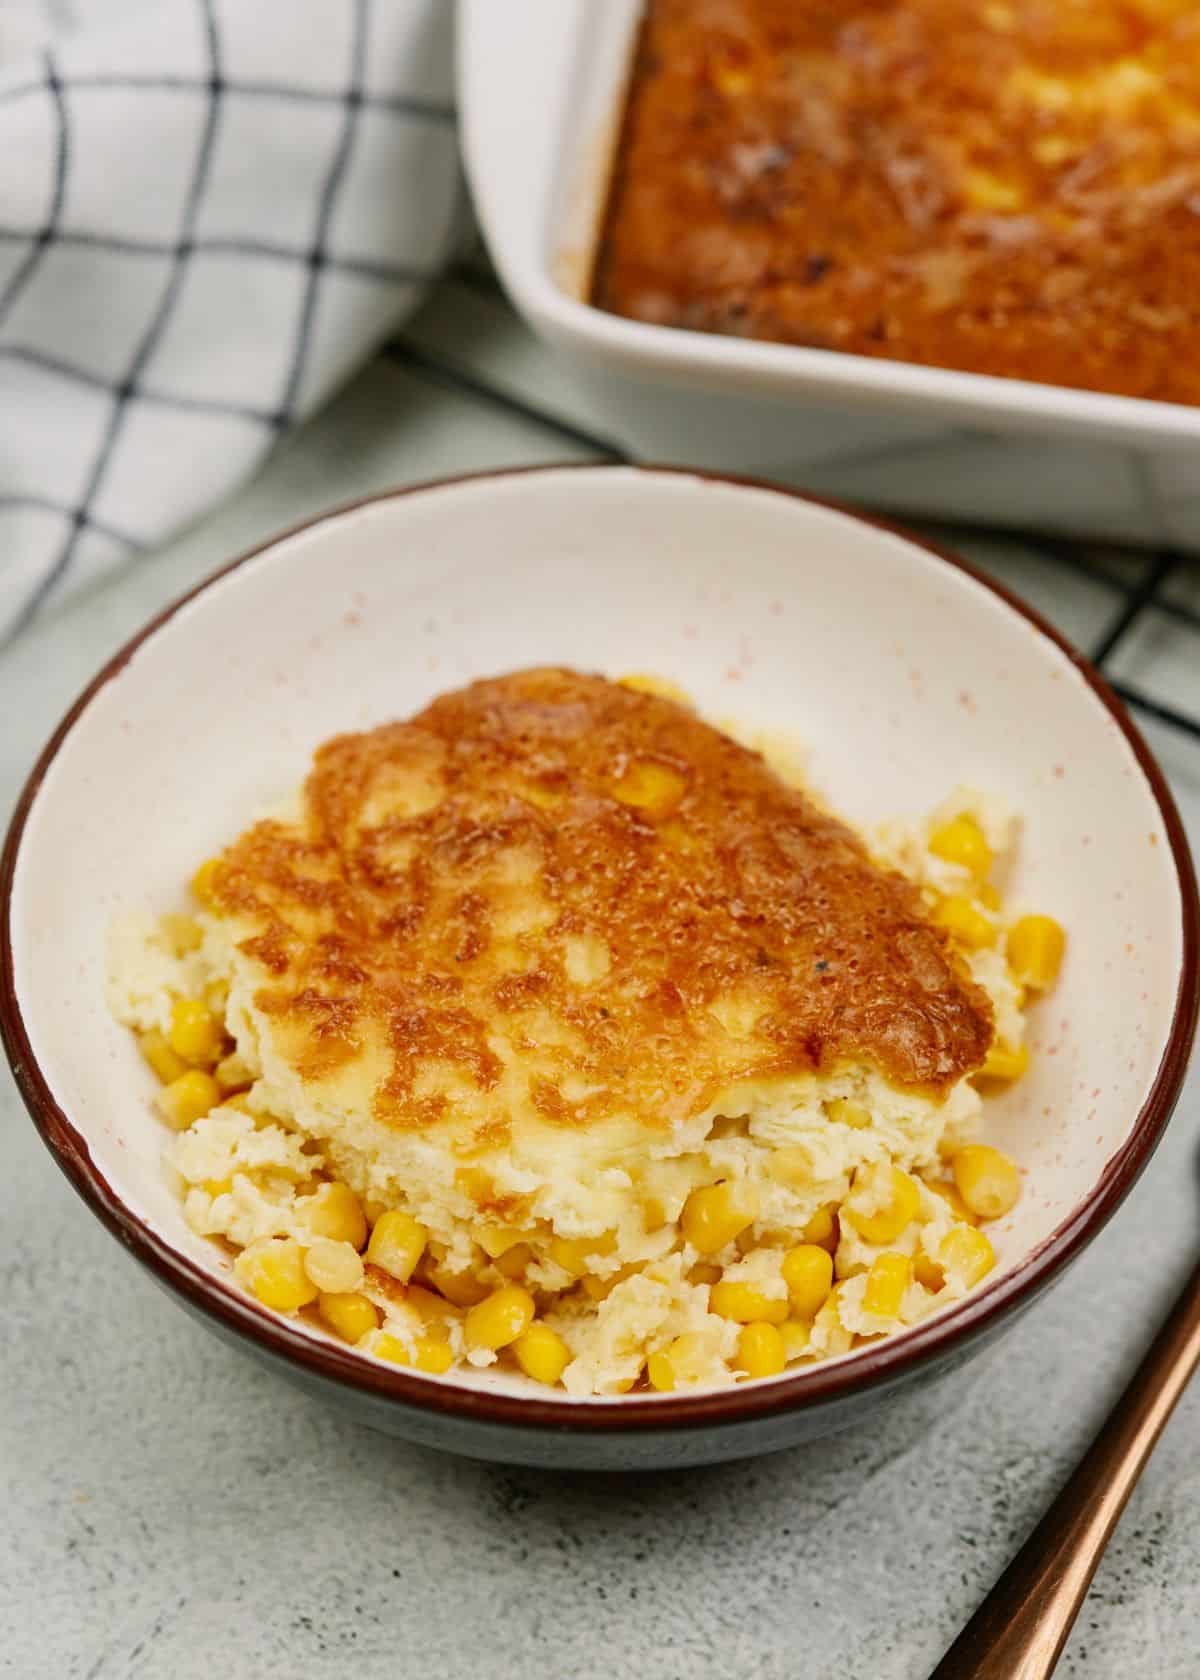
<point x="557" y="1029"/>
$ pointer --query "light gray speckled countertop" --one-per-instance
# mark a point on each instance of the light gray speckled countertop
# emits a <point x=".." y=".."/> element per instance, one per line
<point x="171" y="1509"/>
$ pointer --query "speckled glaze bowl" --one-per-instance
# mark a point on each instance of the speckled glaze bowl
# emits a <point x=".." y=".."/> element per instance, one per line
<point x="902" y="671"/>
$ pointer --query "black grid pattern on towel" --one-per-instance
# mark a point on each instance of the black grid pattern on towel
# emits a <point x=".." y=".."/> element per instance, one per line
<point x="317" y="261"/>
<point x="328" y="200"/>
<point x="128" y="388"/>
<point x="45" y="235"/>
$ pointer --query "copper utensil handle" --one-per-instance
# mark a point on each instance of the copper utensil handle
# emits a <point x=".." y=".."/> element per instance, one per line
<point x="1022" y="1625"/>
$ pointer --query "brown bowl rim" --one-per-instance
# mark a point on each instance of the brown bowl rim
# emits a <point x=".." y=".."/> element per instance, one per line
<point x="879" y="1364"/>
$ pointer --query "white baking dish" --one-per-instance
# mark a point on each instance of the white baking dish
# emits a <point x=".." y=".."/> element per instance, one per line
<point x="542" y="87"/>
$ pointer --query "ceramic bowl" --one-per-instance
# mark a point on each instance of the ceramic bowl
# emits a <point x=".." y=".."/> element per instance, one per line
<point x="902" y="672"/>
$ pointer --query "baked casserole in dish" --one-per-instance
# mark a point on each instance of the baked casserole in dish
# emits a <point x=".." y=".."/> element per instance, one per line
<point x="1009" y="188"/>
<point x="929" y="257"/>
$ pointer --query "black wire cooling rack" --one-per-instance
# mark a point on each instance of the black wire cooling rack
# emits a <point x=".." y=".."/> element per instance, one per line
<point x="1136" y="579"/>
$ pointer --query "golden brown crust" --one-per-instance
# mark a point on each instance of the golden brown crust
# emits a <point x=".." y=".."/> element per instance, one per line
<point x="1010" y="187"/>
<point x="550" y="878"/>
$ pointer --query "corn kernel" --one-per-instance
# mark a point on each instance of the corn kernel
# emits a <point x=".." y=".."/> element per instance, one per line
<point x="203" y="882"/>
<point x="986" y="1179"/>
<point x="600" y="1288"/>
<point x="187" y="1098"/>
<point x="433" y="1356"/>
<point x="352" y="1316"/>
<point x="966" y="1256"/>
<point x="989" y="896"/>
<point x="573" y="1253"/>
<point x="335" y="1267"/>
<point x="713" y="1216"/>
<point x="233" y="1074"/>
<point x="496" y="1240"/>
<point x="649" y="786"/>
<point x="462" y="1289"/>
<point x="928" y="1273"/>
<point x="795" y="1333"/>
<point x="949" y="1194"/>
<point x="660" y="1372"/>
<point x="195" y="1034"/>
<point x="334" y="1211"/>
<point x="962" y="841"/>
<point x="514" y="1261"/>
<point x="702" y="1273"/>
<point x="434" y="1312"/>
<point x="731" y="80"/>
<point x="182" y="933"/>
<point x="645" y="682"/>
<point x="808" y="1273"/>
<point x="986" y="191"/>
<point x="747" y="1305"/>
<point x="543" y="797"/>
<point x="1004" y="1062"/>
<point x="541" y="1354"/>
<point x="1035" y="951"/>
<point x="889" y="1277"/>
<point x="900" y="1209"/>
<point x="965" y="922"/>
<point x="159" y="1054"/>
<point x="677" y="837"/>
<point x="218" y="1187"/>
<point x="396" y="1244"/>
<point x="427" y="1354"/>
<point x="273" y="1270"/>
<point x="500" y="1319"/>
<point x="822" y="1228"/>
<point x="761" y="1351"/>
<point x="847" y="1112"/>
<point x="692" y="1355"/>
<point x="654" y="1214"/>
<point x="475" y="1183"/>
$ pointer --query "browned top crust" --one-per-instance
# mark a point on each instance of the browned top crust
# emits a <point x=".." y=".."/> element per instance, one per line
<point x="1009" y="187"/>
<point x="552" y="894"/>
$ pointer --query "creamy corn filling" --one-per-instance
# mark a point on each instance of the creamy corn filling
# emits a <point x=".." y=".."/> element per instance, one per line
<point x="790" y="1222"/>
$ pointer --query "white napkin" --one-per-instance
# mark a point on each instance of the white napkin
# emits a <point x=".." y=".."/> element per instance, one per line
<point x="210" y="212"/>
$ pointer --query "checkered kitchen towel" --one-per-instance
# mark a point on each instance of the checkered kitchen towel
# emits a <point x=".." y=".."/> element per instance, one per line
<point x="210" y="211"/>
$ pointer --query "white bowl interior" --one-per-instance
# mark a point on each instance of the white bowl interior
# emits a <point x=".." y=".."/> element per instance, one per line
<point x="901" y="675"/>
